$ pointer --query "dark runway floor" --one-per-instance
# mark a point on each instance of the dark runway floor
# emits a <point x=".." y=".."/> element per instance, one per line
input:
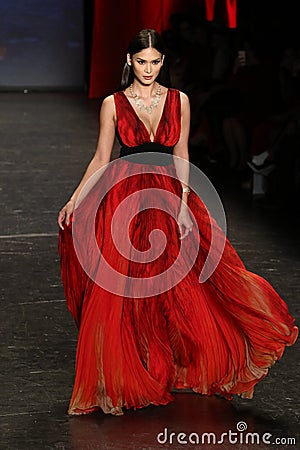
<point x="46" y="142"/>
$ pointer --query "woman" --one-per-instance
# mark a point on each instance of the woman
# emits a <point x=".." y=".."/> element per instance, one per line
<point x="136" y="343"/>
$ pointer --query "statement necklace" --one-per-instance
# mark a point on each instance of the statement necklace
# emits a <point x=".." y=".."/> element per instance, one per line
<point x="141" y="105"/>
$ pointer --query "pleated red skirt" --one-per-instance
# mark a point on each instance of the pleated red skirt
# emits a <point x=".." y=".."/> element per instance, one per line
<point x="218" y="336"/>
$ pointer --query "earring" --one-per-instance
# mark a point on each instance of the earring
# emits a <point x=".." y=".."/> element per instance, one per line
<point x="129" y="63"/>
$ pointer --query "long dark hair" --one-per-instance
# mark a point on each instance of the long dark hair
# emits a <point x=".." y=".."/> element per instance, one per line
<point x="144" y="39"/>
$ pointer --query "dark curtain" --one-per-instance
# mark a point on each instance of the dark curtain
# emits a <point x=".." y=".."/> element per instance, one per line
<point x="115" y="22"/>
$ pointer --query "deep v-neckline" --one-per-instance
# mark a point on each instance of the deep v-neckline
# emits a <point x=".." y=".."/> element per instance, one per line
<point x="143" y="123"/>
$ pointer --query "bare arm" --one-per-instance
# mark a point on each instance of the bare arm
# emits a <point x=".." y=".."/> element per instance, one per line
<point x="181" y="148"/>
<point x="182" y="165"/>
<point x="100" y="159"/>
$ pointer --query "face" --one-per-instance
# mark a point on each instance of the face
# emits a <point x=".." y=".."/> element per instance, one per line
<point x="146" y="65"/>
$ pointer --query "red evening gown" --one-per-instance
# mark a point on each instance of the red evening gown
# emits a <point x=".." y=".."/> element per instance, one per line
<point x="220" y="336"/>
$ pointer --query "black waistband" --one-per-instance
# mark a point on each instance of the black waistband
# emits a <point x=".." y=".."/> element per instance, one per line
<point x="148" y="153"/>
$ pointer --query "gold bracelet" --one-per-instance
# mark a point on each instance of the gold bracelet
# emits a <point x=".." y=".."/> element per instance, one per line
<point x="186" y="190"/>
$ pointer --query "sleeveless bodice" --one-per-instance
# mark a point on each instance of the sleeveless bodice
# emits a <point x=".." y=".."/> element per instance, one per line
<point x="133" y="133"/>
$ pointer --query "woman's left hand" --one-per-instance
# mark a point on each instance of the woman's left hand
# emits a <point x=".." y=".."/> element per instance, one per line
<point x="184" y="221"/>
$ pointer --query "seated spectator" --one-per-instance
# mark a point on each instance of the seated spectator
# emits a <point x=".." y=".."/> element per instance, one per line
<point x="255" y="82"/>
<point x="280" y="157"/>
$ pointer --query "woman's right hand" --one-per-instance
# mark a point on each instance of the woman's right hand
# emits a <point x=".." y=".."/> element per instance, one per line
<point x="65" y="213"/>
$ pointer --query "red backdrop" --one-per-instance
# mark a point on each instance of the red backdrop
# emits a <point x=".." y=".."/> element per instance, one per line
<point x="115" y="22"/>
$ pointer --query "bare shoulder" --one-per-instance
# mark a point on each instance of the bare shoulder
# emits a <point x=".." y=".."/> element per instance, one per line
<point x="185" y="102"/>
<point x="108" y="107"/>
<point x="108" y="102"/>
